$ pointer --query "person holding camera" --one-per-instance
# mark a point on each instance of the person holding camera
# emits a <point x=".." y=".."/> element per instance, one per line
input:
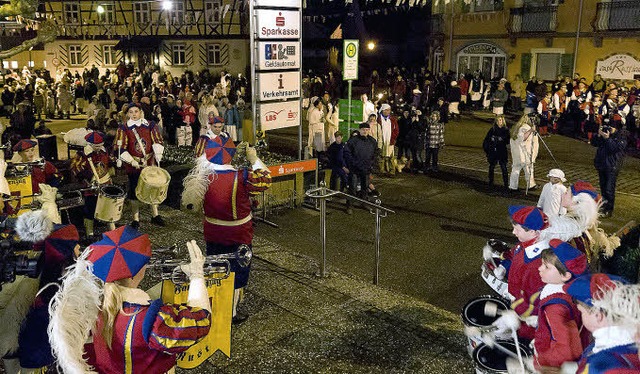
<point x="611" y="143"/>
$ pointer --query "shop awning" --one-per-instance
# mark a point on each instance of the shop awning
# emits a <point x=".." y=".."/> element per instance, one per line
<point x="139" y="43"/>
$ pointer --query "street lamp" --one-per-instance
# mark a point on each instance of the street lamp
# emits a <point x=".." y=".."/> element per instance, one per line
<point x="100" y="9"/>
<point x="371" y="45"/>
<point x="166" y="5"/>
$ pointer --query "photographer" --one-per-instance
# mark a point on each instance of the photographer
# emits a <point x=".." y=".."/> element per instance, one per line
<point x="611" y="144"/>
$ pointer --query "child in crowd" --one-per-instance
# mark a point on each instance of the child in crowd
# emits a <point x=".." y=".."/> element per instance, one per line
<point x="521" y="265"/>
<point x="545" y="114"/>
<point x="605" y="313"/>
<point x="557" y="337"/>
<point x="435" y="140"/>
<point x="337" y="163"/>
<point x="550" y="200"/>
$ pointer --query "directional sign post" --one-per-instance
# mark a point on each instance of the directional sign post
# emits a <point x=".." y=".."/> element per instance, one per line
<point x="350" y="50"/>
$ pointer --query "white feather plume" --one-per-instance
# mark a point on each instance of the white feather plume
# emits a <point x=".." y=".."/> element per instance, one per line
<point x="15" y="300"/>
<point x="621" y="303"/>
<point x="196" y="184"/>
<point x="74" y="311"/>
<point x="34" y="226"/>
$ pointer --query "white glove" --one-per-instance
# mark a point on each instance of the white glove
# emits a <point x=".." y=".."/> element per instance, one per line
<point x="532" y="321"/>
<point x="126" y="157"/>
<point x="487" y="253"/>
<point x="256" y="163"/>
<point x="500" y="272"/>
<point x="4" y="184"/>
<point x="198" y="295"/>
<point x="88" y="149"/>
<point x="569" y="367"/>
<point x="509" y="321"/>
<point x="48" y="199"/>
<point x="158" y="151"/>
<point x="514" y="367"/>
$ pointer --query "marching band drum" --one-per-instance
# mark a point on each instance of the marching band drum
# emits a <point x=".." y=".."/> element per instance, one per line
<point x="153" y="185"/>
<point x="493" y="359"/>
<point x="110" y="203"/>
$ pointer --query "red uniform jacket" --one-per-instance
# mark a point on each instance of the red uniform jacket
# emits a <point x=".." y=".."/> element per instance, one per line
<point x="616" y="360"/>
<point x="227" y="205"/>
<point x="149" y="135"/>
<point x="557" y="338"/>
<point x="47" y="175"/>
<point x="146" y="338"/>
<point x="524" y="281"/>
<point x="81" y="168"/>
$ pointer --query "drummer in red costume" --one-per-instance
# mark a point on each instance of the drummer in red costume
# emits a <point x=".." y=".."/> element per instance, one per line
<point x="128" y="332"/>
<point x="92" y="166"/>
<point x="214" y="128"/>
<point x="522" y="263"/>
<point x="140" y="144"/>
<point x="45" y="175"/>
<point x="224" y="193"/>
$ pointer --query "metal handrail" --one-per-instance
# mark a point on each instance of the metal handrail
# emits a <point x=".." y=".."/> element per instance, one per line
<point x="322" y="193"/>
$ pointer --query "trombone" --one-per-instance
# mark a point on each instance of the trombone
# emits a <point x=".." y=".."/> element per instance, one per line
<point x="170" y="268"/>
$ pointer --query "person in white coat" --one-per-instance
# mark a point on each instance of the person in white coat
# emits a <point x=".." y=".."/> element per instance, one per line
<point x="550" y="200"/>
<point x="333" y="122"/>
<point x="316" y="126"/>
<point x="524" y="151"/>
<point x="368" y="108"/>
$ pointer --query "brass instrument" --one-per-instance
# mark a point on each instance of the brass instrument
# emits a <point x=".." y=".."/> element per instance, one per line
<point x="21" y="169"/>
<point x="170" y="267"/>
<point x="62" y="202"/>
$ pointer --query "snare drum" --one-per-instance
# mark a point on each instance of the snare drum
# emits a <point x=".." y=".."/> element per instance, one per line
<point x="500" y="286"/>
<point x="489" y="360"/>
<point x="473" y="315"/>
<point x="110" y="203"/>
<point x="153" y="185"/>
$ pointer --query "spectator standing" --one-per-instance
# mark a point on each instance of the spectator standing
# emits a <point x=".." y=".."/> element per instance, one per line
<point x="388" y="136"/>
<point x="333" y="121"/>
<point x="611" y="144"/>
<point x="476" y="89"/>
<point x="233" y="123"/>
<point x="359" y="154"/>
<point x="518" y="93"/>
<point x="550" y="200"/>
<point x="499" y="98"/>
<point x="337" y="162"/>
<point x="495" y="146"/>
<point x="434" y="141"/>
<point x="524" y="151"/>
<point x="454" y="97"/>
<point x="463" y="83"/>
<point x="316" y="127"/>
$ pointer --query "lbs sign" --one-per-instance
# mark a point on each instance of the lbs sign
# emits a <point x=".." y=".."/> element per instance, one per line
<point x="279" y="115"/>
<point x="278" y="24"/>
<point x="279" y="86"/>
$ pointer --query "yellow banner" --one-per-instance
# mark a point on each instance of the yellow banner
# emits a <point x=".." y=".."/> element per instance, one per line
<point x="219" y="337"/>
<point x="19" y="186"/>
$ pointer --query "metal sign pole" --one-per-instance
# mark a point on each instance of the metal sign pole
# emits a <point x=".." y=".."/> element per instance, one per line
<point x="350" y="82"/>
<point x="252" y="55"/>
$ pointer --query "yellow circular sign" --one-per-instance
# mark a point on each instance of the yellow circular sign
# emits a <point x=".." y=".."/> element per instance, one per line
<point x="351" y="50"/>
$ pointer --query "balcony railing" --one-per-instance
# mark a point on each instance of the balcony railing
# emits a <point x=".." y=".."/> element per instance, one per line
<point x="533" y="20"/>
<point x="617" y="16"/>
<point x="437" y="24"/>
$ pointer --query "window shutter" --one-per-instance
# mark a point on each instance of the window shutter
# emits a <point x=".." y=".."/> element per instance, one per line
<point x="566" y="65"/>
<point x="525" y="66"/>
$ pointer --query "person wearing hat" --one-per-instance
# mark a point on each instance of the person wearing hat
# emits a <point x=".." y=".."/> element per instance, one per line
<point x="558" y="337"/>
<point x="48" y="174"/>
<point x="140" y="145"/>
<point x="360" y="154"/>
<point x="550" y="200"/>
<point x="614" y="348"/>
<point x="100" y="302"/>
<point x="387" y="136"/>
<point x="59" y="250"/>
<point x="521" y="263"/>
<point x="223" y="192"/>
<point x="92" y="166"/>
<point x="213" y="129"/>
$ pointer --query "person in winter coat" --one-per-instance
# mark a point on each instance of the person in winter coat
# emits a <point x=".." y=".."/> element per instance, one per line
<point x="360" y="155"/>
<point x="611" y="144"/>
<point x="495" y="146"/>
<point x="434" y="141"/>
<point x="454" y="97"/>
<point x="233" y="123"/>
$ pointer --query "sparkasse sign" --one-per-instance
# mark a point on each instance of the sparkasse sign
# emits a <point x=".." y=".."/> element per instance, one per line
<point x="278" y="24"/>
<point x="279" y="115"/>
<point x="281" y="3"/>
<point x="278" y="55"/>
<point x="279" y="86"/>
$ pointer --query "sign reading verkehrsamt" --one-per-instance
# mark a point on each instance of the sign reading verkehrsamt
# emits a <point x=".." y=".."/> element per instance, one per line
<point x="278" y="55"/>
<point x="278" y="24"/>
<point x="279" y="86"/>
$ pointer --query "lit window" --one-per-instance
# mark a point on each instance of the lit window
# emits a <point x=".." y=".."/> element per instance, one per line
<point x="108" y="16"/>
<point x="179" y="55"/>
<point x="75" y="54"/>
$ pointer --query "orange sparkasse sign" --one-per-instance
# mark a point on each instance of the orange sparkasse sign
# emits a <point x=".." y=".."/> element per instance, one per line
<point x="293" y="167"/>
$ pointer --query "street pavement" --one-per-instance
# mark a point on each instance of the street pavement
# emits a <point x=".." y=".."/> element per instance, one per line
<point x="430" y="260"/>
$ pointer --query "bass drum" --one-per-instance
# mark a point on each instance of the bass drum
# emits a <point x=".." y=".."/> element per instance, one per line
<point x="488" y="360"/>
<point x="110" y="203"/>
<point x="153" y="185"/>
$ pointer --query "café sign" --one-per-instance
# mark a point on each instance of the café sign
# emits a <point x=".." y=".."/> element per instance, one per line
<point x="620" y="66"/>
<point x="481" y="49"/>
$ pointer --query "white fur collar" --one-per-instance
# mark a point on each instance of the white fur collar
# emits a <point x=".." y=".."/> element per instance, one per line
<point x="135" y="296"/>
<point x="612" y="336"/>
<point x="535" y="249"/>
<point x="550" y="289"/>
<point x="138" y="123"/>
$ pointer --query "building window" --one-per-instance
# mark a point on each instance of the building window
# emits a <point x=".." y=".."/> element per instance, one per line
<point x="548" y="66"/>
<point x="109" y="54"/>
<point x="141" y="13"/>
<point x="214" y="54"/>
<point x="108" y="15"/>
<point x="473" y="6"/>
<point x="75" y="54"/>
<point x="71" y="13"/>
<point x="483" y="57"/>
<point x="177" y="13"/>
<point x="213" y="11"/>
<point x="179" y="55"/>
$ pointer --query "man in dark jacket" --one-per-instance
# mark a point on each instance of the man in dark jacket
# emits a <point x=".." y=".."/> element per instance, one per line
<point x="360" y="155"/>
<point x="338" y="164"/>
<point x="495" y="146"/>
<point x="611" y="144"/>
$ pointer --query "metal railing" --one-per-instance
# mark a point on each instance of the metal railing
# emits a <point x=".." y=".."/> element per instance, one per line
<point x="533" y="19"/>
<point x="322" y="193"/>
<point x="617" y="16"/>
